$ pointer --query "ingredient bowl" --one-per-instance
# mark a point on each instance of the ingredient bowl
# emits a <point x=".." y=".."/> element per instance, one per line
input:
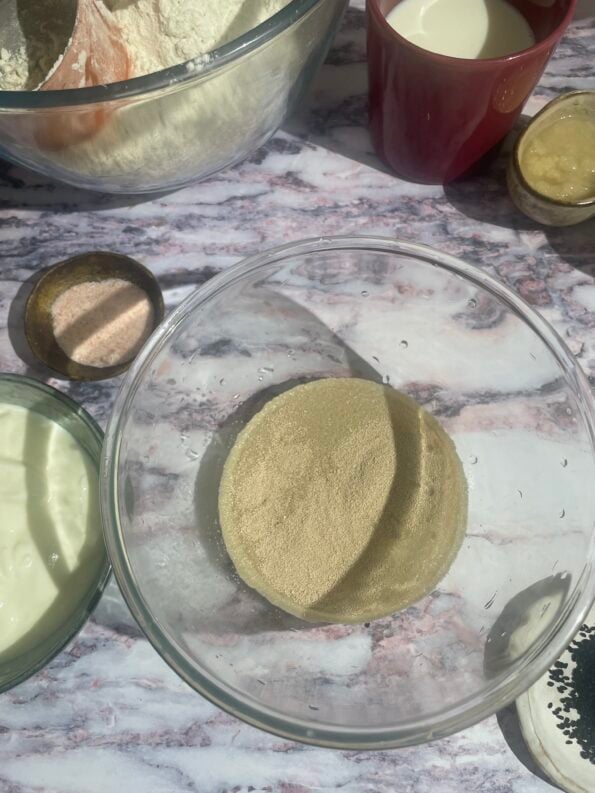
<point x="179" y="125"/>
<point x="74" y="583"/>
<point x="533" y="203"/>
<point x="502" y="384"/>
<point x="93" y="267"/>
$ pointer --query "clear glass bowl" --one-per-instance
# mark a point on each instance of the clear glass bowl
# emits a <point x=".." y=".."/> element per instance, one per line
<point x="27" y="393"/>
<point x="473" y="353"/>
<point x="179" y="125"/>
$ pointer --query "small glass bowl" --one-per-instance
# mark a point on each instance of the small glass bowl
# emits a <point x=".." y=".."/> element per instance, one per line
<point x="484" y="363"/>
<point x="41" y="398"/>
<point x="530" y="201"/>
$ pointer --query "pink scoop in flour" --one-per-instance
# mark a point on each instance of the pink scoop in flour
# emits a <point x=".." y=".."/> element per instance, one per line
<point x="95" y="54"/>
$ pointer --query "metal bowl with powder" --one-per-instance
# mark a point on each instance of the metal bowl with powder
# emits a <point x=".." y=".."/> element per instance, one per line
<point x="180" y="124"/>
<point x="88" y="316"/>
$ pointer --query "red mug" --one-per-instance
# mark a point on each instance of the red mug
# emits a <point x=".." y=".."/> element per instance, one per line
<point x="434" y="117"/>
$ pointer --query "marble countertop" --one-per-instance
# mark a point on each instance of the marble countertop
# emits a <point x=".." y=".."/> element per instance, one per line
<point x="144" y="729"/>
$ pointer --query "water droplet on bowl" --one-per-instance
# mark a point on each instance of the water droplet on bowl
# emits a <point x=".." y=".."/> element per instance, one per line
<point x="53" y="559"/>
<point x="473" y="459"/>
<point x="404" y="344"/>
<point x="564" y="462"/>
<point x="365" y="293"/>
<point x="472" y="303"/>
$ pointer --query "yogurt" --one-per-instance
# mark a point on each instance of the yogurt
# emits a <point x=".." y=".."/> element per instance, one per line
<point x="51" y="544"/>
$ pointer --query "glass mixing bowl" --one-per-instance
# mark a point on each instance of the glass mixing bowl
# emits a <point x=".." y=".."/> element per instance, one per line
<point x="489" y="368"/>
<point x="179" y="125"/>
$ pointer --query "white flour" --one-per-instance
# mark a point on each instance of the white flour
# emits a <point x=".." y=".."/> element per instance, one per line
<point x="161" y="33"/>
<point x="158" y="34"/>
<point x="14" y="69"/>
<point x="43" y="30"/>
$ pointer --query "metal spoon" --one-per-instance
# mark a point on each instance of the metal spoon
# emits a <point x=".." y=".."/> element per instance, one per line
<point x="69" y="43"/>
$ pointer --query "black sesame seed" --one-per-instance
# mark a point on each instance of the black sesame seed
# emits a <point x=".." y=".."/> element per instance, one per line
<point x="579" y="691"/>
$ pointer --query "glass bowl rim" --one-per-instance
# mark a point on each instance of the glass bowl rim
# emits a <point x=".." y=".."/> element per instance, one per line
<point x="81" y="615"/>
<point x="506" y="688"/>
<point x="172" y="77"/>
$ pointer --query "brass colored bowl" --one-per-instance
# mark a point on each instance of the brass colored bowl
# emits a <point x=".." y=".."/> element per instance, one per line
<point x="531" y="202"/>
<point x="94" y="266"/>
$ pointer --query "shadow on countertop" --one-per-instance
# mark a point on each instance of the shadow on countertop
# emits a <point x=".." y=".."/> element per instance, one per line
<point x="15" y="327"/>
<point x="510" y="726"/>
<point x="334" y="113"/>
<point x="21" y="188"/>
<point x="518" y="621"/>
<point x="485" y="198"/>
